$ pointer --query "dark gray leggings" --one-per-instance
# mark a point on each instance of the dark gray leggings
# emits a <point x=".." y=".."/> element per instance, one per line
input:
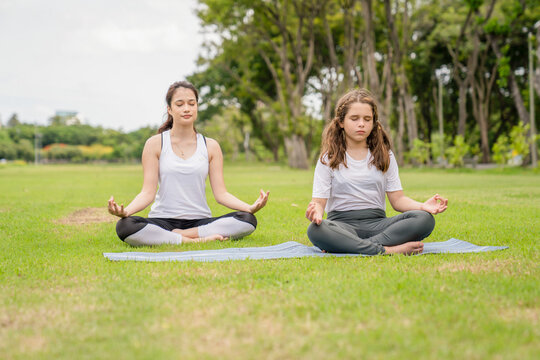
<point x="368" y="231"/>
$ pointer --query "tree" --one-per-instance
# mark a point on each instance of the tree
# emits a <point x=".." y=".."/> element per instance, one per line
<point x="13" y="120"/>
<point x="281" y="33"/>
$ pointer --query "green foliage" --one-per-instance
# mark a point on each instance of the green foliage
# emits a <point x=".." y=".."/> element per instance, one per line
<point x="96" y="152"/>
<point x="474" y="4"/>
<point x="519" y="141"/>
<point x="7" y="150"/>
<point x="71" y="134"/>
<point x="516" y="147"/>
<point x="504" y="71"/>
<point x="23" y="131"/>
<point x="457" y="153"/>
<point x="419" y="154"/>
<point x="13" y="121"/>
<point x="62" y="152"/>
<point x="227" y="129"/>
<point x="501" y="150"/>
<point x="25" y="150"/>
<point x="438" y="145"/>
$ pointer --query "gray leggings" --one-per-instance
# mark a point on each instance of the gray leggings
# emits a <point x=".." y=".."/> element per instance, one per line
<point x="368" y="231"/>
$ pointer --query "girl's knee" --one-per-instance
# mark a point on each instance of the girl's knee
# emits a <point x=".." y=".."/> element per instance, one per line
<point x="316" y="234"/>
<point x="426" y="222"/>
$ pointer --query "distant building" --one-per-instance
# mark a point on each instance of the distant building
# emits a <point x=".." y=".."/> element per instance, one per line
<point x="66" y="117"/>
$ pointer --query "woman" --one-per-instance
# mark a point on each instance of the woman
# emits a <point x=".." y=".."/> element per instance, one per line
<point x="180" y="159"/>
<point x="355" y="171"/>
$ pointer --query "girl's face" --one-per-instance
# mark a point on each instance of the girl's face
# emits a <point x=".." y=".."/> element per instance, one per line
<point x="183" y="108"/>
<point x="358" y="123"/>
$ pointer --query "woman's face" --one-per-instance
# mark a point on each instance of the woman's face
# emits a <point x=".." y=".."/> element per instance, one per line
<point x="183" y="108"/>
<point x="358" y="122"/>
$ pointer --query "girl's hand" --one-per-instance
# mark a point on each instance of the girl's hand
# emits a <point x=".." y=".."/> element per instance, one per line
<point x="260" y="202"/>
<point x="435" y="205"/>
<point x="117" y="210"/>
<point x="314" y="213"/>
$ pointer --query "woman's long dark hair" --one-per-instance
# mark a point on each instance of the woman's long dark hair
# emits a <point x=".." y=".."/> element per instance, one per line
<point x="168" y="98"/>
<point x="333" y="139"/>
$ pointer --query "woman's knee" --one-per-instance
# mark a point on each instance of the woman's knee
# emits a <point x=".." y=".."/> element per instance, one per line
<point x="234" y="225"/>
<point x="246" y="217"/>
<point x="128" y="226"/>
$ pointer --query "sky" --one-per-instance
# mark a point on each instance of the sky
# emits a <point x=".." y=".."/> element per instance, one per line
<point x="110" y="60"/>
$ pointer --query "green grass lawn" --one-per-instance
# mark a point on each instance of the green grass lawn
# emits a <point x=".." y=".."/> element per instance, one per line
<point x="61" y="299"/>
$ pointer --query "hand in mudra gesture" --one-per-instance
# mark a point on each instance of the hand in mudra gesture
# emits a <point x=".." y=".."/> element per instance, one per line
<point x="260" y="202"/>
<point x="115" y="209"/>
<point x="435" y="205"/>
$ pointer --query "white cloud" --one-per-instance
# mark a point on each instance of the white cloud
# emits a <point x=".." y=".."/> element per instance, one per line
<point x="111" y="60"/>
<point x="167" y="37"/>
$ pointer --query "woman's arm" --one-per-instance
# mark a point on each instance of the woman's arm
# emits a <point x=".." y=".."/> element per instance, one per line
<point x="217" y="183"/>
<point x="150" y="163"/>
<point x="434" y="205"/>
<point x="315" y="210"/>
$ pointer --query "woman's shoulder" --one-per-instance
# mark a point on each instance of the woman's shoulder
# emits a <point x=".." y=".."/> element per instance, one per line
<point x="211" y="143"/>
<point x="212" y="146"/>
<point x="153" y="142"/>
<point x="154" y="139"/>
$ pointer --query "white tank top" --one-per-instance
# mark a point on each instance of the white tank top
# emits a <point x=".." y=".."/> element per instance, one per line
<point x="182" y="183"/>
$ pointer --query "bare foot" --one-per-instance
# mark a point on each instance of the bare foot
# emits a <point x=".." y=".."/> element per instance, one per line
<point x="410" y="248"/>
<point x="212" y="238"/>
<point x="186" y="239"/>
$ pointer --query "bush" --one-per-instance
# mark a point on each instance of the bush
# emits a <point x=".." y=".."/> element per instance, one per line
<point x="501" y="150"/>
<point x="456" y="153"/>
<point x="25" y="150"/>
<point x="513" y="149"/>
<point x="419" y="154"/>
<point x="96" y="152"/>
<point x="62" y="152"/>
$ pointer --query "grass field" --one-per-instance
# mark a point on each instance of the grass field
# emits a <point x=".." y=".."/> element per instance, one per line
<point x="61" y="299"/>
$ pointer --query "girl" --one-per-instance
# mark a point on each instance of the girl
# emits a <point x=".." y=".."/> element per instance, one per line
<point x="180" y="159"/>
<point x="355" y="170"/>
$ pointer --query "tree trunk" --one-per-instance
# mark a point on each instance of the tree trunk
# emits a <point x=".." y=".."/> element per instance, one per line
<point x="480" y="102"/>
<point x="295" y="147"/>
<point x="483" y="124"/>
<point x="369" y="49"/>
<point x="518" y="99"/>
<point x="412" y="130"/>
<point x="537" y="71"/>
<point x="401" y="131"/>
<point x="462" y="120"/>
<point x="399" y="59"/>
<point x="247" y="150"/>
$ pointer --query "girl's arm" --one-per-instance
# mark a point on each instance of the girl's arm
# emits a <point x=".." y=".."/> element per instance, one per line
<point x="150" y="163"/>
<point x="217" y="183"/>
<point x="434" y="205"/>
<point x="315" y="210"/>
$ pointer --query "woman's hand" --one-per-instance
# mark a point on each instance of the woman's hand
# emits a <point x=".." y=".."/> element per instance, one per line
<point x="117" y="210"/>
<point x="314" y="213"/>
<point x="260" y="202"/>
<point x="435" y="205"/>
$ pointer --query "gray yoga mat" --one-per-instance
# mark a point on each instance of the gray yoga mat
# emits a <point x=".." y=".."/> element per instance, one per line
<point x="290" y="249"/>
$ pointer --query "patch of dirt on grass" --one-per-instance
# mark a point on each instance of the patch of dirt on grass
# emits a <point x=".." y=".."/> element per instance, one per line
<point x="495" y="266"/>
<point x="521" y="314"/>
<point x="87" y="216"/>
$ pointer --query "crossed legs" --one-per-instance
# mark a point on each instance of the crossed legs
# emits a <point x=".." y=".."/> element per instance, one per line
<point x="138" y="231"/>
<point x="370" y="232"/>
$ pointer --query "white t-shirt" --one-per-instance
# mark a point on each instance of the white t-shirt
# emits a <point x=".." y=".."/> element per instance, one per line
<point x="358" y="186"/>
